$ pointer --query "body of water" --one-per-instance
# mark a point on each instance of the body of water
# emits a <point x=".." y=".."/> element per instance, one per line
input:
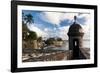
<point x="65" y="46"/>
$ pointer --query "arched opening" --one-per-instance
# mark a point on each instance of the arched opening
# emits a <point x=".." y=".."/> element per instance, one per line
<point x="75" y="49"/>
<point x="76" y="43"/>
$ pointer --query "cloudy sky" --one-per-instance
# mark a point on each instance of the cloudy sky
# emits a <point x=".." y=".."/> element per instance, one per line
<point x="56" y="24"/>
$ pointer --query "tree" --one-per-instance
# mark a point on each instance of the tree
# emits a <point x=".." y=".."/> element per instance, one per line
<point x="23" y="16"/>
<point x="28" y="18"/>
<point x="59" y="39"/>
<point x="24" y="26"/>
<point x="50" y="41"/>
<point x="32" y="35"/>
<point x="25" y="34"/>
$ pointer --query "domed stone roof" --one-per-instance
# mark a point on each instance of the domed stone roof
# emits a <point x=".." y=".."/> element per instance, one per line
<point x="75" y="29"/>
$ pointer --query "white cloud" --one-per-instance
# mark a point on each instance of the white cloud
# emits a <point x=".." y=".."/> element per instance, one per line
<point x="69" y="16"/>
<point x="52" y="17"/>
<point x="39" y="32"/>
<point x="63" y="32"/>
<point x="55" y="18"/>
<point x="46" y="29"/>
<point x="86" y="26"/>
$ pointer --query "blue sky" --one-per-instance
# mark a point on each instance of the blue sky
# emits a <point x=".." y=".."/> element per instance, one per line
<point x="55" y="24"/>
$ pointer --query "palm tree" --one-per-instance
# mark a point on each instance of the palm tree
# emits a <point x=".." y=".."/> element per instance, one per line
<point x="28" y="19"/>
